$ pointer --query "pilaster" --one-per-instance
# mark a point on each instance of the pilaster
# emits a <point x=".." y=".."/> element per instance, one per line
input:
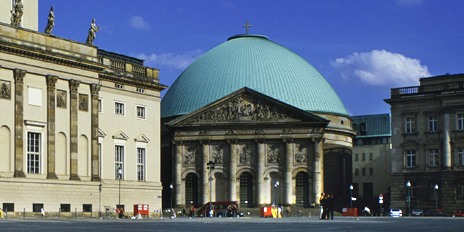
<point x="204" y="173"/>
<point x="260" y="164"/>
<point x="446" y="141"/>
<point x="318" y="179"/>
<point x="51" y="81"/>
<point x="19" y="118"/>
<point x="73" y="98"/>
<point x="233" y="171"/>
<point x="94" y="91"/>
<point x="177" y="174"/>
<point x="288" y="188"/>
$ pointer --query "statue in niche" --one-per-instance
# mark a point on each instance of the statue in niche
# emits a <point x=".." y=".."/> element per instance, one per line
<point x="5" y="91"/>
<point x="301" y="155"/>
<point x="92" y="31"/>
<point x="17" y="13"/>
<point x="217" y="154"/>
<point x="190" y="155"/>
<point x="273" y="153"/>
<point x="51" y="22"/>
<point x="245" y="155"/>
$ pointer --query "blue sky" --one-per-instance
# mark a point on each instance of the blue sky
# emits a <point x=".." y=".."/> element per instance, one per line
<point x="363" y="48"/>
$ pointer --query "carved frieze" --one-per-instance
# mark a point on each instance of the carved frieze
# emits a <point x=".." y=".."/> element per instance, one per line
<point x="5" y="89"/>
<point x="61" y="99"/>
<point x="217" y="153"/>
<point x="273" y="152"/>
<point x="301" y="153"/>
<point x="245" y="154"/>
<point x="83" y="102"/>
<point x="190" y="154"/>
<point x="242" y="108"/>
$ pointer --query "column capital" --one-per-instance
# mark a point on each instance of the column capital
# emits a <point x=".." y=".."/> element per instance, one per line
<point x="177" y="142"/>
<point x="74" y="85"/>
<point x="94" y="89"/>
<point x="232" y="141"/>
<point x="287" y="140"/>
<point x="51" y="81"/>
<point x="19" y="75"/>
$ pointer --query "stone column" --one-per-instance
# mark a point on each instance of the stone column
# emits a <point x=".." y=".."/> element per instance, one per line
<point x="94" y="90"/>
<point x="318" y="177"/>
<point x="260" y="164"/>
<point x="446" y="141"/>
<point x="288" y="188"/>
<point x="73" y="107"/>
<point x="19" y="124"/>
<point x="205" y="173"/>
<point x="51" y="81"/>
<point x="233" y="171"/>
<point x="177" y="173"/>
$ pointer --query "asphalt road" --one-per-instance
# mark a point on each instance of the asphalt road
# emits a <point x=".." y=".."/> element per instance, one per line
<point x="440" y="224"/>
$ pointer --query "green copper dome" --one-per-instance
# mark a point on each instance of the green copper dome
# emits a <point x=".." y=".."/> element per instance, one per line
<point x="255" y="62"/>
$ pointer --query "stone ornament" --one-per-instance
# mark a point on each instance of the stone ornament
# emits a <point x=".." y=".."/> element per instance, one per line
<point x="51" y="22"/>
<point x="245" y="153"/>
<point x="5" y="89"/>
<point x="92" y="31"/>
<point x="190" y="154"/>
<point x="273" y="153"/>
<point x="61" y="99"/>
<point x="217" y="154"/>
<point x="17" y="13"/>
<point x="242" y="108"/>
<point x="301" y="153"/>
<point x="83" y="102"/>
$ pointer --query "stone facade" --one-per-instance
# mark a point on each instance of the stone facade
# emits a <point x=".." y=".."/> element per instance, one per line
<point x="428" y="143"/>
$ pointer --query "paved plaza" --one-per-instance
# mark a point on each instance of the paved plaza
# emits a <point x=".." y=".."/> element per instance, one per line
<point x="239" y="224"/>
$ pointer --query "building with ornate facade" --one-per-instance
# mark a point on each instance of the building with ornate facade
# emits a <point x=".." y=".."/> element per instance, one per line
<point x="72" y="115"/>
<point x="269" y="123"/>
<point x="428" y="144"/>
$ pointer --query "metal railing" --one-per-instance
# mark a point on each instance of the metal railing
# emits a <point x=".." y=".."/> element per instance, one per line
<point x="427" y="89"/>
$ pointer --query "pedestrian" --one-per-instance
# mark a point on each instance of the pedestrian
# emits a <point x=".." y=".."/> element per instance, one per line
<point x="331" y="201"/>
<point x="321" y="202"/>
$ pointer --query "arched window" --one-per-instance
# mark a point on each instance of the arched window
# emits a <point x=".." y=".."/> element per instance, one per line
<point x="246" y="190"/>
<point x="302" y="189"/>
<point x="191" y="190"/>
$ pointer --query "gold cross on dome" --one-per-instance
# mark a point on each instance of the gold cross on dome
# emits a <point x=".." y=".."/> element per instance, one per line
<point x="247" y="26"/>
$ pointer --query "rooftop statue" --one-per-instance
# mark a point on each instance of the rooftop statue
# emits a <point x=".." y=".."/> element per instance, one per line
<point x="17" y="13"/>
<point x="51" y="22"/>
<point x="92" y="30"/>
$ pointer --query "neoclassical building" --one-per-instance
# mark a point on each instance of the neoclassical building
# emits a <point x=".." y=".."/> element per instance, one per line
<point x="259" y="114"/>
<point x="72" y="114"/>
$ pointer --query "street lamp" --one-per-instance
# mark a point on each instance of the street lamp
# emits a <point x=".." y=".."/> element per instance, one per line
<point x="277" y="194"/>
<point x="170" y="186"/>
<point x="409" y="197"/>
<point x="99" y="199"/>
<point x="120" y="176"/>
<point x="351" y="197"/>
<point x="436" y="196"/>
<point x="210" y="165"/>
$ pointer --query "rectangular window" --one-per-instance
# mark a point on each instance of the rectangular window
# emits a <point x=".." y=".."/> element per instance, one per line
<point x="140" y="90"/>
<point x="119" y="108"/>
<point x="460" y="191"/>
<point x="371" y="156"/>
<point x="460" y="155"/>
<point x="141" y="112"/>
<point x="65" y="208"/>
<point x="37" y="207"/>
<point x="371" y="171"/>
<point x="363" y="129"/>
<point x="363" y="156"/>
<point x="409" y="125"/>
<point x="432" y="123"/>
<point x="33" y="152"/>
<point x="119" y="86"/>
<point x="141" y="164"/>
<point x="87" y="208"/>
<point x="100" y="109"/>
<point x="8" y="207"/>
<point x="460" y="121"/>
<point x="355" y="127"/>
<point x="356" y="157"/>
<point x="356" y="172"/>
<point x="363" y="171"/>
<point x="119" y="161"/>
<point x="410" y="158"/>
<point x="434" y="157"/>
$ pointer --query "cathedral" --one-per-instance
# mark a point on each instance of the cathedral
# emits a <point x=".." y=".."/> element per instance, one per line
<point x="251" y="121"/>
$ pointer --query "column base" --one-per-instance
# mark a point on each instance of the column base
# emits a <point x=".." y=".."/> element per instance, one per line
<point x="51" y="176"/>
<point x="74" y="177"/>
<point x="19" y="174"/>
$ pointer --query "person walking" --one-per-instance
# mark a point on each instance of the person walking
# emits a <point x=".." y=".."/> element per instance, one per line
<point x="331" y="206"/>
<point x="321" y="202"/>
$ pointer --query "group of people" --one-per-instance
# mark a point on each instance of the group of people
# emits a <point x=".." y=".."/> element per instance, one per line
<point x="327" y="202"/>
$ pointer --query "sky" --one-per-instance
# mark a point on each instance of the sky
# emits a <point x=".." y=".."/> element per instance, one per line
<point x="362" y="47"/>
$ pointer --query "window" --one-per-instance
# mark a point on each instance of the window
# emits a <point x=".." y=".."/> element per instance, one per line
<point x="409" y="127"/>
<point x="460" y="155"/>
<point x="460" y="191"/>
<point x="363" y="156"/>
<point x="119" y="161"/>
<point x="140" y="90"/>
<point x="33" y="152"/>
<point x="141" y="112"/>
<point x="8" y="207"/>
<point x="119" y="86"/>
<point x="460" y="122"/>
<point x="356" y="172"/>
<point x="119" y="108"/>
<point x="363" y="128"/>
<point x="100" y="106"/>
<point x="410" y="158"/>
<point x="434" y="157"/>
<point x="87" y="208"/>
<point x="354" y="126"/>
<point x="141" y="164"/>
<point x="37" y="207"/>
<point x="371" y="156"/>
<point x="363" y="171"/>
<point x="356" y="157"/>
<point x="371" y="171"/>
<point x="432" y="123"/>
<point x="65" y="208"/>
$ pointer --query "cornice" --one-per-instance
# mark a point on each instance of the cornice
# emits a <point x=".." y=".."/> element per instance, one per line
<point x="133" y="82"/>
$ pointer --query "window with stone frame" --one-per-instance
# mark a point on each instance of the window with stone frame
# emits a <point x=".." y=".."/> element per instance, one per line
<point x="409" y="125"/>
<point x="141" y="112"/>
<point x="432" y="123"/>
<point x="460" y="156"/>
<point x="356" y="172"/>
<point x="410" y="158"/>
<point x="119" y="161"/>
<point x="141" y="163"/>
<point x="356" y="157"/>
<point x="460" y="121"/>
<point x="33" y="152"/>
<point x="371" y="156"/>
<point x="119" y="108"/>
<point x="363" y="171"/>
<point x="460" y="191"/>
<point x="433" y="156"/>
<point x="363" y="156"/>
<point x="371" y="171"/>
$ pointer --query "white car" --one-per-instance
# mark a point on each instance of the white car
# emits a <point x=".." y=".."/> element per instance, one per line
<point x="396" y="213"/>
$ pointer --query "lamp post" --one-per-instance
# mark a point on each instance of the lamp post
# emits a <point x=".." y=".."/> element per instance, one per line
<point x="210" y="165"/>
<point x="351" y="196"/>
<point x="436" y="196"/>
<point x="170" y="187"/>
<point x="277" y="194"/>
<point x="99" y="198"/>
<point x="408" y="185"/>
<point x="120" y="176"/>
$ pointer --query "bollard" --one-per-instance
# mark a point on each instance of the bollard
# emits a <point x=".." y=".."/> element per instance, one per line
<point x="6" y="214"/>
<point x="59" y="213"/>
<point x="309" y="213"/>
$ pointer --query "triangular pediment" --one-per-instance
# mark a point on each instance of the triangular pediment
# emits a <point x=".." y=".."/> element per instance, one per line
<point x="120" y="135"/>
<point x="101" y="133"/>
<point x="142" y="138"/>
<point x="246" y="106"/>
